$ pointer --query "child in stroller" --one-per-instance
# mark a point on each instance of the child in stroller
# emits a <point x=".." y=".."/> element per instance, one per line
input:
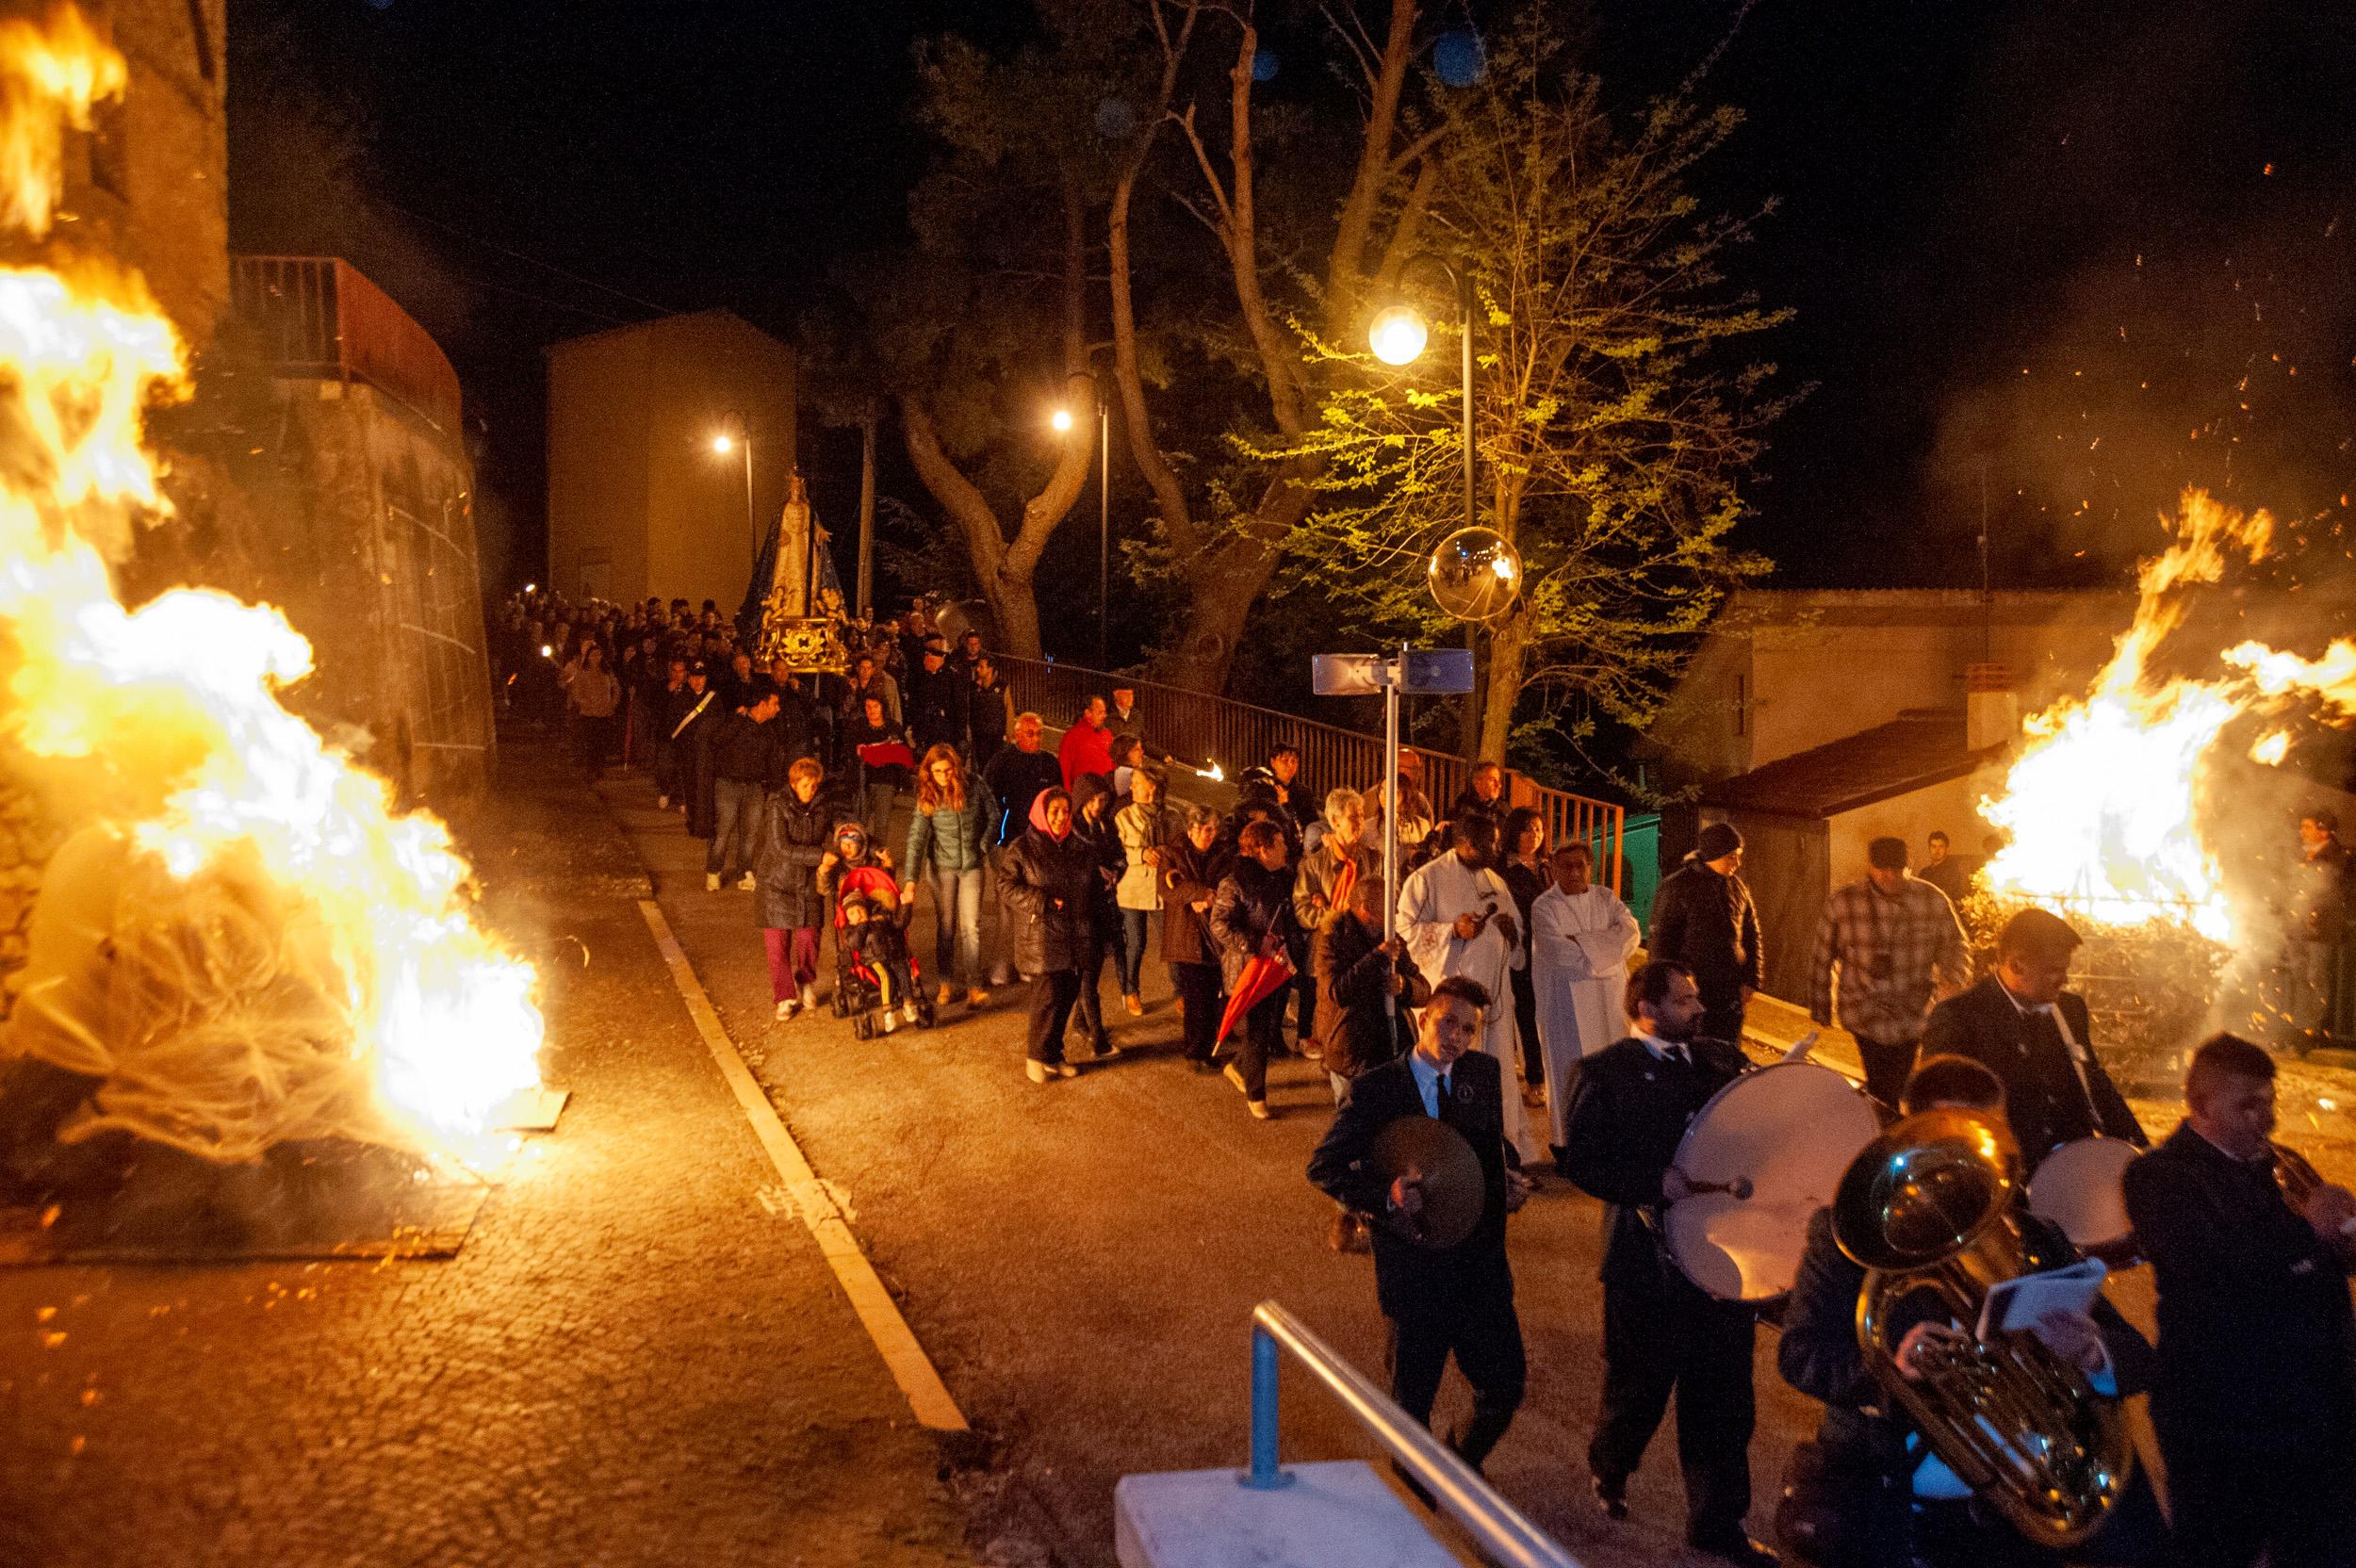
<point x="875" y="972"/>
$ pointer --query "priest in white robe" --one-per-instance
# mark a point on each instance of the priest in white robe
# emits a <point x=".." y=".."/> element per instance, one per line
<point x="1457" y="915"/>
<point x="1581" y="939"/>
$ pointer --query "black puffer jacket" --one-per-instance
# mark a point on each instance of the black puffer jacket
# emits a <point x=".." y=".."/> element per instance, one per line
<point x="1253" y="903"/>
<point x="1707" y="922"/>
<point x="785" y="862"/>
<point x="1103" y="847"/>
<point x="1049" y="887"/>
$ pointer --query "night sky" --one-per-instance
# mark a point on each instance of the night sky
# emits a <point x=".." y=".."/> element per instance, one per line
<point x="2078" y="255"/>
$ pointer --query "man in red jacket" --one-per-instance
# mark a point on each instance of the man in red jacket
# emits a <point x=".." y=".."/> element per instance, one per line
<point x="1087" y="745"/>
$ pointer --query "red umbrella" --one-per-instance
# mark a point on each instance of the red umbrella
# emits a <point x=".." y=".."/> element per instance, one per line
<point x="1262" y="977"/>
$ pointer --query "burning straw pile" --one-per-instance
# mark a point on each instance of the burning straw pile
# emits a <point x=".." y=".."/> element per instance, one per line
<point x="2126" y="805"/>
<point x="239" y="946"/>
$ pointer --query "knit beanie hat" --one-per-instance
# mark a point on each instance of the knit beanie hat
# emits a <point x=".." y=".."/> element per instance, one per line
<point x="1718" y="839"/>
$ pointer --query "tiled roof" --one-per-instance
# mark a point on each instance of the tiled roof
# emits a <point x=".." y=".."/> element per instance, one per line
<point x="1910" y="753"/>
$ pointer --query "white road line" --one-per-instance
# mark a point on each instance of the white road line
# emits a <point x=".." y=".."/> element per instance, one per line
<point x="927" y="1397"/>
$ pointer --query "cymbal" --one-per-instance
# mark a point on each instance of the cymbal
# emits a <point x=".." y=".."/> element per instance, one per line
<point x="1455" y="1193"/>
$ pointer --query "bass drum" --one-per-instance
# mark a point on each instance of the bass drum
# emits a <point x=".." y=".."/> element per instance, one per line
<point x="2081" y="1188"/>
<point x="1768" y="1151"/>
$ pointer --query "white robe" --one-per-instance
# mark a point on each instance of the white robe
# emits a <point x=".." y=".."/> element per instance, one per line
<point x="1578" y="953"/>
<point x="1428" y="902"/>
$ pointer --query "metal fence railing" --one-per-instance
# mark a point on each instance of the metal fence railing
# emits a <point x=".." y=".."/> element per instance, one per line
<point x="1502" y="1531"/>
<point x="320" y="316"/>
<point x="1201" y="728"/>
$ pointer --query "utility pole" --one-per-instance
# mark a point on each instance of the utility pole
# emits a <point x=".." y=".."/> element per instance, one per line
<point x="868" y="420"/>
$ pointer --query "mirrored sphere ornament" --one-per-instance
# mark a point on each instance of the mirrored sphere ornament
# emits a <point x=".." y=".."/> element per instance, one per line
<point x="1475" y="574"/>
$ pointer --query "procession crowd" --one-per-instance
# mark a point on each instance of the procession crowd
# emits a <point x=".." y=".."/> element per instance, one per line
<point x="1510" y="984"/>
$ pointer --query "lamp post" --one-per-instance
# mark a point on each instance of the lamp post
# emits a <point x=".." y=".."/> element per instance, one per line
<point x="740" y="439"/>
<point x="1400" y="331"/>
<point x="1398" y="335"/>
<point x="1063" y="421"/>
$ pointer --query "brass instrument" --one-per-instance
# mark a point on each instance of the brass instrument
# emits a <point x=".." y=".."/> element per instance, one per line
<point x="1929" y="1206"/>
<point x="2299" y="1180"/>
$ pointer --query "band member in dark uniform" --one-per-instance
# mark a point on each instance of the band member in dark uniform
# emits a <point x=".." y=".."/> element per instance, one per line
<point x="2255" y="1402"/>
<point x="1438" y="1301"/>
<point x="1879" y="1498"/>
<point x="2021" y="1025"/>
<point x="1629" y="1105"/>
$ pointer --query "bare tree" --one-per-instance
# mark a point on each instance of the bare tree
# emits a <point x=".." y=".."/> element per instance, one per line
<point x="1225" y="539"/>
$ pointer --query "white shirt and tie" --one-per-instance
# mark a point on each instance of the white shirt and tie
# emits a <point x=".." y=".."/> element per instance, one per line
<point x="1430" y="1083"/>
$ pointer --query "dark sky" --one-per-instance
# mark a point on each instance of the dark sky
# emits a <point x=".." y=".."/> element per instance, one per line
<point x="2089" y="252"/>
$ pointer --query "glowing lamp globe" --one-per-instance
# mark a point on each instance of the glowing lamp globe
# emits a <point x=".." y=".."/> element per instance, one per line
<point x="1398" y="335"/>
<point x="1475" y="574"/>
<point x="723" y="443"/>
<point x="1061" y="419"/>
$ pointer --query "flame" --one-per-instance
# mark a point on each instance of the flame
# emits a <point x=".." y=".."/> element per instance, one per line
<point x="1214" y="773"/>
<point x="2105" y="806"/>
<point x="53" y="74"/>
<point x="267" y="875"/>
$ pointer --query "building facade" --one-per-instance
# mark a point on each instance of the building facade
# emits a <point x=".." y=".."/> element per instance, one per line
<point x="640" y="501"/>
<point x="1816" y="722"/>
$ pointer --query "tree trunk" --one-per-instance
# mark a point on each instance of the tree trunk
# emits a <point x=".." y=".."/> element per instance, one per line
<point x="1003" y="567"/>
<point x="1472" y="704"/>
<point x="1501" y="690"/>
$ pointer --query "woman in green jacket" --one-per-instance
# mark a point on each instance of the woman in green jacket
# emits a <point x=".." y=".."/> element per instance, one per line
<point x="947" y="840"/>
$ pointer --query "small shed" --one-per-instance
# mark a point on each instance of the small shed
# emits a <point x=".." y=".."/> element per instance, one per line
<point x="1805" y="819"/>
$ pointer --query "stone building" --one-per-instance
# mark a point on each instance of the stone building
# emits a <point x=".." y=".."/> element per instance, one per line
<point x="639" y="500"/>
<point x="148" y="184"/>
<point x="352" y="511"/>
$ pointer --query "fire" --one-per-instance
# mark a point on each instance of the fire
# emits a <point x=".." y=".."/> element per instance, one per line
<point x="243" y="937"/>
<point x="2104" y="807"/>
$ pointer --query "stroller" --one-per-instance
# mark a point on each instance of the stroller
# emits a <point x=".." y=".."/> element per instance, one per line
<point x="877" y="984"/>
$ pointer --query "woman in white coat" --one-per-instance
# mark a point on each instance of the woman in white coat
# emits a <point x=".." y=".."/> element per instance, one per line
<point x="1581" y="936"/>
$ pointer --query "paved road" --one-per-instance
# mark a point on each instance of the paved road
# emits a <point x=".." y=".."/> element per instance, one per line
<point x="1082" y="1259"/>
<point x="632" y="1360"/>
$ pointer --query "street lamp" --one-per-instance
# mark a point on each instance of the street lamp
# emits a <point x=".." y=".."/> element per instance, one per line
<point x="1063" y="421"/>
<point x="1400" y="331"/>
<point x="740" y="438"/>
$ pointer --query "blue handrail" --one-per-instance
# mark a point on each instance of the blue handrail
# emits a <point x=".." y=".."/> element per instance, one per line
<point x="1500" y="1528"/>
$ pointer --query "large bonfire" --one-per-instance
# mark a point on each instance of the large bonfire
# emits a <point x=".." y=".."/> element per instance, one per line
<point x="241" y="941"/>
<point x="2118" y="809"/>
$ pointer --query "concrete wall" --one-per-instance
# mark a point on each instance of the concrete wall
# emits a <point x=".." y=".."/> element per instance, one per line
<point x="1951" y="808"/>
<point x="1784" y="672"/>
<point x="638" y="501"/>
<point x="1791" y="863"/>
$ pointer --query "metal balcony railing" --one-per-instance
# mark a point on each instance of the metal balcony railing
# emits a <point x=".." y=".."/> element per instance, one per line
<point x="1200" y="727"/>
<point x="320" y="316"/>
<point x="1500" y="1529"/>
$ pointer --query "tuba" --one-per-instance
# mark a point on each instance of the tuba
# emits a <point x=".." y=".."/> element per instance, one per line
<point x="1929" y="1206"/>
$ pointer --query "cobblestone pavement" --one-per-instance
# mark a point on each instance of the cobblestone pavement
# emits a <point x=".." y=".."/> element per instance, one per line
<point x="632" y="1360"/>
<point x="1081" y="1259"/>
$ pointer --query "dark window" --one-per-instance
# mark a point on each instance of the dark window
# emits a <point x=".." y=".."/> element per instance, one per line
<point x="110" y="164"/>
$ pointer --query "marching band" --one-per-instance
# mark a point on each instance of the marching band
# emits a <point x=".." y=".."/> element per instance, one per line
<point x="1936" y="1269"/>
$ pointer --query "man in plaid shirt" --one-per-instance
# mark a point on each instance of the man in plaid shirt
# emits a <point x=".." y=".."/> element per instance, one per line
<point x="1899" y="948"/>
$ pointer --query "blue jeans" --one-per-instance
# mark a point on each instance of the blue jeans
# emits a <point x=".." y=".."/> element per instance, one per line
<point x="1133" y="935"/>
<point x="736" y="825"/>
<point x="957" y="928"/>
